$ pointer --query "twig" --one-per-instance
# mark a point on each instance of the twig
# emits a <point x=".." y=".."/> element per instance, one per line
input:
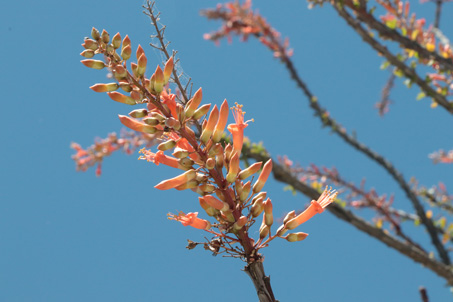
<point x="423" y="294"/>
<point x="364" y="149"/>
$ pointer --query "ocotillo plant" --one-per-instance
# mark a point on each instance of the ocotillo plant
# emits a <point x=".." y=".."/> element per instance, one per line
<point x="192" y="139"/>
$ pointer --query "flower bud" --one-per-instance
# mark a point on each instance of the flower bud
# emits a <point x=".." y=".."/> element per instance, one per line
<point x="228" y="152"/>
<point x="209" y="210"/>
<point x="228" y="216"/>
<point x="105" y="36"/>
<point x="90" y="44"/>
<point x="87" y="53"/>
<point x="200" y="112"/>
<point x="168" y="70"/>
<point x="120" y="72"/>
<point x="212" y="121"/>
<point x="210" y="164"/>
<point x="193" y="104"/>
<point x="158" y="116"/>
<point x="216" y="149"/>
<point x="116" y="41"/>
<point x="151" y="121"/>
<point x="95" y="64"/>
<point x="180" y="153"/>
<point x="215" y="203"/>
<point x="136" y="125"/>
<point x="240" y="223"/>
<point x="159" y="80"/>
<point x="259" y="184"/>
<point x="177" y="181"/>
<point x="233" y="169"/>
<point x="257" y="207"/>
<point x="138" y="113"/>
<point x="95" y="34"/>
<point x="134" y="70"/>
<point x="126" y="52"/>
<point x="268" y="215"/>
<point x="250" y="170"/>
<point x="121" y="98"/>
<point x="188" y="185"/>
<point x="289" y="216"/>
<point x="125" y="87"/>
<point x="139" y="51"/>
<point x="172" y="123"/>
<point x="264" y="231"/>
<point x="186" y="162"/>
<point x="167" y="145"/>
<point x="141" y="65"/>
<point x="207" y="188"/>
<point x="245" y="191"/>
<point x="293" y="237"/>
<point x="105" y="87"/>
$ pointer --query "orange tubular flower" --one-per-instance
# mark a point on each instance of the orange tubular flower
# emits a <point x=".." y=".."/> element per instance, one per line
<point x="259" y="184"/>
<point x="316" y="206"/>
<point x="234" y="168"/>
<point x="218" y="131"/>
<point x="176" y="181"/>
<point x="237" y="129"/>
<point x="192" y="220"/>
<point x="136" y="125"/>
<point x="159" y="158"/>
<point x="212" y="121"/>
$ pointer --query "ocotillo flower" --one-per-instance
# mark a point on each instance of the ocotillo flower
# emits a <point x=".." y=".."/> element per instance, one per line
<point x="159" y="80"/>
<point x="176" y="181"/>
<point x="160" y="158"/>
<point x="192" y="220"/>
<point x="95" y="64"/>
<point x="316" y="206"/>
<point x="250" y="170"/>
<point x="105" y="87"/>
<point x="233" y="169"/>
<point x="212" y="121"/>
<point x="215" y="203"/>
<point x="121" y="98"/>
<point x="259" y="184"/>
<point x="193" y="104"/>
<point x="136" y="125"/>
<point x="237" y="129"/>
<point x="168" y="69"/>
<point x="293" y="237"/>
<point x="221" y="123"/>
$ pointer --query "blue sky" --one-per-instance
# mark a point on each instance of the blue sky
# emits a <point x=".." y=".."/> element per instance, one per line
<point x="70" y="236"/>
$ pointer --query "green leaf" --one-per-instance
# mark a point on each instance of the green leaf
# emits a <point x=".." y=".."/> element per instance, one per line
<point x="420" y="96"/>
<point x="391" y="23"/>
<point x="398" y="72"/>
<point x="385" y="64"/>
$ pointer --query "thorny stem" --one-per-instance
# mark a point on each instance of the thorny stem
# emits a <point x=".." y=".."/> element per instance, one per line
<point x="351" y="140"/>
<point x="159" y="34"/>
<point x="254" y="267"/>
<point x="381" y="160"/>
<point x="367" y="18"/>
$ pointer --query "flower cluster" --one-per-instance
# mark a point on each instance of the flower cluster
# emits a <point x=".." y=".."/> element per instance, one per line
<point x="94" y="155"/>
<point x="192" y="139"/>
<point x="239" y="19"/>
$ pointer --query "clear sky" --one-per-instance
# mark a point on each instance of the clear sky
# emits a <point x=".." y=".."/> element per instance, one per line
<point x="68" y="236"/>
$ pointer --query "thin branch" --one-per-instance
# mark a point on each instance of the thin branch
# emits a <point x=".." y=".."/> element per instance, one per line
<point x="387" y="165"/>
<point x="160" y="36"/>
<point x="282" y="174"/>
